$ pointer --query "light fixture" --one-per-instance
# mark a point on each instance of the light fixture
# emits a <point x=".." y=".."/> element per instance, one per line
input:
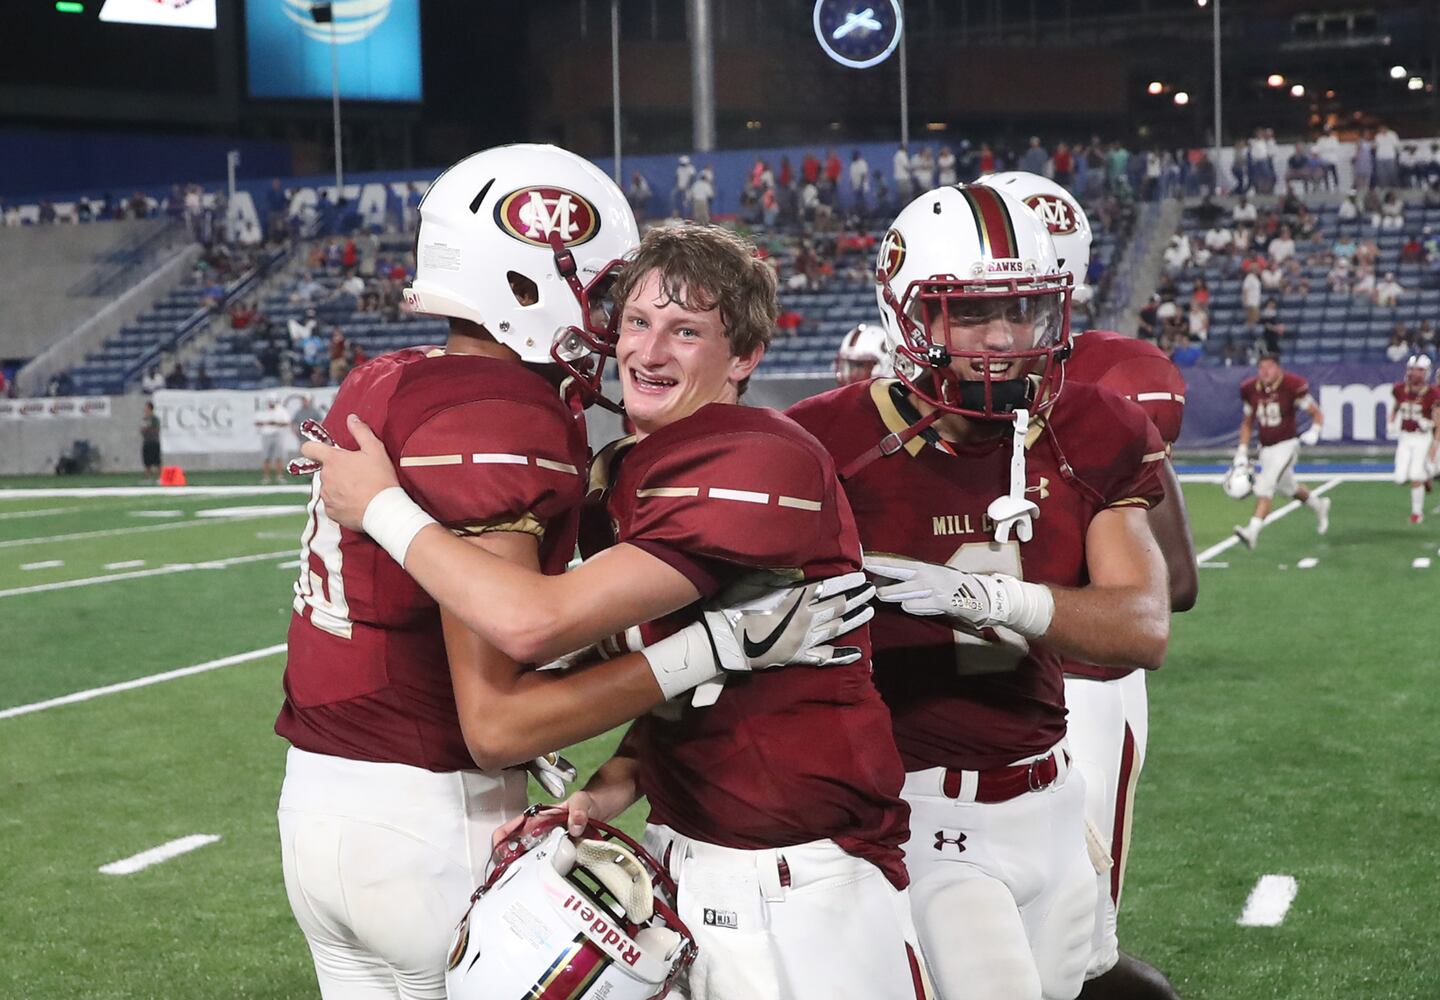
<point x="1397" y="72"/>
<point x="1415" y="83"/>
<point x="1275" y="80"/>
<point x="936" y="126"/>
<point x="1201" y="3"/>
<point x="1329" y="95"/>
<point x="1156" y="87"/>
<point x="1182" y="98"/>
<point x="1298" y="90"/>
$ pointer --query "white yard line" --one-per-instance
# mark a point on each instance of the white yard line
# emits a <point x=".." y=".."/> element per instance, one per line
<point x="156" y="855"/>
<point x="86" y="492"/>
<point x="1421" y="563"/>
<point x="91" y="581"/>
<point x="10" y="515"/>
<point x="126" y="564"/>
<point x="109" y="532"/>
<point x="1216" y="478"/>
<point x="1228" y="543"/>
<point x="1269" y="901"/>
<point x="139" y="682"/>
<point x="1309" y="562"/>
<point x="44" y="564"/>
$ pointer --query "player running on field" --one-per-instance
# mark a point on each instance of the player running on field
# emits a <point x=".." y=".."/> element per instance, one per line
<point x="1416" y="401"/>
<point x="1272" y="398"/>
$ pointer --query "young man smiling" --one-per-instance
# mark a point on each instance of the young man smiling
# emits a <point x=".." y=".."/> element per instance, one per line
<point x="775" y="801"/>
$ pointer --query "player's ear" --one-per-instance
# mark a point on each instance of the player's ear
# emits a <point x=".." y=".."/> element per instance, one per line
<point x="743" y="365"/>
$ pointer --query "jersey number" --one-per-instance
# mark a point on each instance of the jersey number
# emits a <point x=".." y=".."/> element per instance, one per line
<point x="1269" y="414"/>
<point x="991" y="650"/>
<point x="322" y="592"/>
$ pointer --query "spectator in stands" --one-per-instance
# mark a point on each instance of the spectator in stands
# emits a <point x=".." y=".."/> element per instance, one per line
<point x="1244" y="213"/>
<point x="1198" y="319"/>
<point x="1399" y="347"/>
<point x="1262" y="161"/>
<point x="1062" y="166"/>
<point x="1387" y="157"/>
<point x="1149" y="319"/>
<point x="337" y="348"/>
<point x="301" y="327"/>
<point x="1282" y="247"/>
<point x="639" y="195"/>
<point x="203" y="379"/>
<point x="1362" y="163"/>
<point x="1412" y="251"/>
<point x="268" y="361"/>
<point x="833" y="170"/>
<point x="1367" y="253"/>
<point x="1327" y="158"/>
<point x="1186" y="353"/>
<point x="355" y="355"/>
<point x="242" y="315"/>
<point x="900" y="172"/>
<point x="1271" y="332"/>
<point x="150" y="442"/>
<point x="1035" y="158"/>
<point x="1339" y="277"/>
<point x="859" y="178"/>
<point x="922" y="170"/>
<point x="152" y="380"/>
<point x="1200" y="293"/>
<point x="702" y="192"/>
<point x="810" y="170"/>
<point x="47" y="212"/>
<point x="1392" y="212"/>
<point x="947" y="169"/>
<point x="139" y="206"/>
<point x="61" y="385"/>
<point x="985" y="161"/>
<point x="1349" y="210"/>
<point x="1177" y="254"/>
<point x="1250" y="291"/>
<point x="1299" y="170"/>
<point x="1220" y="240"/>
<point x="307" y="290"/>
<point x="680" y="194"/>
<point x="1388" y="291"/>
<point x="176" y="378"/>
<point x="1425" y="337"/>
<point x="1363" y="286"/>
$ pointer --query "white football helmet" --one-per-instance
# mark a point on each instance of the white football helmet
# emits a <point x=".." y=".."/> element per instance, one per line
<point x="963" y="255"/>
<point x="862" y="355"/>
<point x="1239" y="481"/>
<point x="525" y="240"/>
<point x="1061" y="212"/>
<point x="578" y="919"/>
<point x="1417" y="369"/>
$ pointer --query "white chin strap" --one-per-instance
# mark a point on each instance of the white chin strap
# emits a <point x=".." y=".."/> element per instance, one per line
<point x="1013" y="512"/>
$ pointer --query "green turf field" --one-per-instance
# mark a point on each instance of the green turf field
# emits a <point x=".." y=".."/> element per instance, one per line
<point x="1290" y="734"/>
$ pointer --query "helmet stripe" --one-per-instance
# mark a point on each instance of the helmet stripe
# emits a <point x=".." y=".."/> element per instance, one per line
<point x="574" y="972"/>
<point x="992" y="221"/>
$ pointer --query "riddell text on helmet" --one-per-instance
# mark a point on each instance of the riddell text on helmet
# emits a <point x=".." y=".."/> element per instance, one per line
<point x="612" y="940"/>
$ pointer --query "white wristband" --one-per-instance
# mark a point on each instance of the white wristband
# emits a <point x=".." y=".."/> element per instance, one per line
<point x="1029" y="607"/>
<point x="393" y="520"/>
<point x="683" y="660"/>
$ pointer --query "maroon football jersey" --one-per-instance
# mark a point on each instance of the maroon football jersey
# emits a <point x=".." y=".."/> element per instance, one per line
<point x="1413" y="407"/>
<point x="1135" y="369"/>
<point x="784" y="756"/>
<point x="959" y="699"/>
<point x="1273" y="407"/>
<point x="482" y="445"/>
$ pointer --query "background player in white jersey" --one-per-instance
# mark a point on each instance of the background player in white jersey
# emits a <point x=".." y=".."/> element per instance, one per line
<point x="271" y="423"/>
<point x="1272" y="398"/>
<point x="1416" y="401"/>
<point x="1107" y="709"/>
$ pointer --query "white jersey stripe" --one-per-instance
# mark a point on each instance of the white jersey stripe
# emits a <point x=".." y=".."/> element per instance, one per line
<point x="412" y="461"/>
<point x="498" y="458"/>
<point x="744" y="496"/>
<point x="799" y="504"/>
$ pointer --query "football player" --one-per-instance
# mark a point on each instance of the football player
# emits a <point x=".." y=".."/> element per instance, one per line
<point x="1415" y="405"/>
<point x="1108" y="708"/>
<point x="1271" y="400"/>
<point x="774" y="801"/>
<point x="1006" y="524"/>
<point x="861" y="355"/>
<point x="385" y="819"/>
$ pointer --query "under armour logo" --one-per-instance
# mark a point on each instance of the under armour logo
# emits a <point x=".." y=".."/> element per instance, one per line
<point x="941" y="840"/>
<point x="1043" y="489"/>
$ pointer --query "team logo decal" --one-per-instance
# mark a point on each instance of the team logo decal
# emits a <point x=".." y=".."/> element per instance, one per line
<point x="892" y="253"/>
<point x="460" y="943"/>
<point x="1058" y="214"/>
<point x="532" y="214"/>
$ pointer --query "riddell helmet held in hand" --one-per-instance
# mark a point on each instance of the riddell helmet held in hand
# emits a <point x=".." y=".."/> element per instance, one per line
<point x="1417" y="369"/>
<point x="525" y="240"/>
<point x="570" y="919"/>
<point x="862" y="355"/>
<point x="1061" y="212"/>
<point x="1239" y="481"/>
<point x="962" y="255"/>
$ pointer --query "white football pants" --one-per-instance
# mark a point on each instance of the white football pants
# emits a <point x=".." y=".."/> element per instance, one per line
<point x="380" y="861"/>
<point x="1003" y="893"/>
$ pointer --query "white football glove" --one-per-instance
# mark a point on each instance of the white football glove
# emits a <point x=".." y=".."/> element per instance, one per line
<point x="553" y="772"/>
<point x="1311" y="435"/>
<point x="1242" y="456"/>
<point x="742" y="632"/>
<point x="969" y="601"/>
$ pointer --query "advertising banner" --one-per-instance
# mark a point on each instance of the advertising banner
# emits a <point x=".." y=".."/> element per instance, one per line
<point x="222" y="421"/>
<point x="1355" y="399"/>
<point x="55" y="408"/>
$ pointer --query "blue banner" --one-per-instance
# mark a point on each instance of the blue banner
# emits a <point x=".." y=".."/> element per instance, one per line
<point x="1355" y="398"/>
<point x="377" y="43"/>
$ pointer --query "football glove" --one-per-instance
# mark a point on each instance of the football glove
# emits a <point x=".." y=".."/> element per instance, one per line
<point x="757" y="625"/>
<point x="969" y="601"/>
<point x="553" y="772"/>
<point x="1311" y="435"/>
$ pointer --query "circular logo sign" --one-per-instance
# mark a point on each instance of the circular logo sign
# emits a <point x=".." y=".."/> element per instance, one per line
<point x="531" y="214"/>
<point x="1058" y="214"/>
<point x="858" y="33"/>
<point x="354" y="20"/>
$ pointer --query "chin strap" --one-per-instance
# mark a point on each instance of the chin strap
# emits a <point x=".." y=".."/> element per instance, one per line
<point x="890" y="444"/>
<point x="1013" y="512"/>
